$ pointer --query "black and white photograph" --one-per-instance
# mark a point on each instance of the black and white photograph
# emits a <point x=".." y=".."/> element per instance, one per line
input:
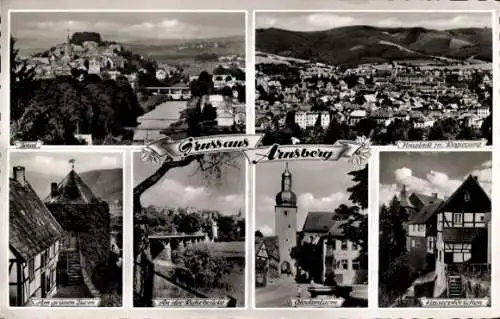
<point x="65" y="228"/>
<point x="189" y="232"/>
<point x="311" y="234"/>
<point x="388" y="76"/>
<point x="125" y="78"/>
<point x="435" y="229"/>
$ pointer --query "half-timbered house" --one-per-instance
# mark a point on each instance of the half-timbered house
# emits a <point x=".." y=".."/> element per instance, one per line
<point x="34" y="243"/>
<point x="448" y="240"/>
<point x="463" y="237"/>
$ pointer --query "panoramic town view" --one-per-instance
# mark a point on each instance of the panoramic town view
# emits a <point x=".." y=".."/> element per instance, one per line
<point x="321" y="77"/>
<point x="82" y="78"/>
<point x="189" y="235"/>
<point x="311" y="237"/>
<point x="435" y="228"/>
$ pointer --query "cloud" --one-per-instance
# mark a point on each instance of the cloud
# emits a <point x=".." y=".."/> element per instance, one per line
<point x="309" y="22"/>
<point x="119" y="28"/>
<point x="328" y="21"/>
<point x="323" y="21"/>
<point x="387" y="192"/>
<point x="266" y="230"/>
<point x="434" y="182"/>
<point x="265" y="22"/>
<point x="485" y="176"/>
<point x="306" y="203"/>
<point x="487" y="164"/>
<point x="389" y="23"/>
<point x="403" y="173"/>
<point x="110" y="161"/>
<point x="172" y="193"/>
<point x="58" y="163"/>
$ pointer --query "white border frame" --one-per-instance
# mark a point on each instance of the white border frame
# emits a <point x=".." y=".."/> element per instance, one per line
<point x="123" y="146"/>
<point x="246" y="5"/>
<point x="183" y="309"/>
<point x="373" y="190"/>
<point x="60" y="151"/>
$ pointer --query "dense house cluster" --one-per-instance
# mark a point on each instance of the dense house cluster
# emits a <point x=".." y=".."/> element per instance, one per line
<point x="90" y="55"/>
<point x="313" y="94"/>
<point x="448" y="238"/>
<point x="98" y="58"/>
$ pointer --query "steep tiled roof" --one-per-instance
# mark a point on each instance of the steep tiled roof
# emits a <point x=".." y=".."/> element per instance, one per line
<point x="481" y="200"/>
<point x="72" y="189"/>
<point x="272" y="246"/>
<point x="420" y="200"/>
<point x="32" y="227"/>
<point x="323" y="222"/>
<point x="426" y="212"/>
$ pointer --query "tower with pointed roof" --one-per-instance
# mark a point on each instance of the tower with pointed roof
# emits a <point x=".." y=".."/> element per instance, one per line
<point x="86" y="221"/>
<point x="286" y="220"/>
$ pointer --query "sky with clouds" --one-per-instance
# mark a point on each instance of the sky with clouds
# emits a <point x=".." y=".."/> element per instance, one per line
<point x="53" y="27"/>
<point x="185" y="186"/>
<point x="431" y="172"/>
<point x="317" y="21"/>
<point x="319" y="186"/>
<point x="43" y="168"/>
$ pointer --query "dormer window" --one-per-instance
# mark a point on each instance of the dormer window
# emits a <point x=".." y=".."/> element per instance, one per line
<point x="466" y="197"/>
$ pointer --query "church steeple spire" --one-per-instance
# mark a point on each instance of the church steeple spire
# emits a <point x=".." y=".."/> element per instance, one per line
<point x="286" y="197"/>
<point x="68" y="50"/>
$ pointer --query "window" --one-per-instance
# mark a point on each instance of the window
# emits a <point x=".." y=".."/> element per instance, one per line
<point x="356" y="265"/>
<point x="289" y="226"/>
<point x="413" y="243"/>
<point x="286" y="213"/>
<point x="431" y="243"/>
<point x="457" y="218"/>
<point x="344" y="264"/>
<point x="466" y="197"/>
<point x="31" y="269"/>
<point x="43" y="259"/>
<point x="355" y="246"/>
<point x="344" y="245"/>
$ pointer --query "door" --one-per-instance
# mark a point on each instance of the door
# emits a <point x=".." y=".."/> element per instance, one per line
<point x="72" y="241"/>
<point x="43" y="284"/>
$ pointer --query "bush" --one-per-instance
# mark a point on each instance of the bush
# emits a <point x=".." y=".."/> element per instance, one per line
<point x="206" y="269"/>
<point x="111" y="300"/>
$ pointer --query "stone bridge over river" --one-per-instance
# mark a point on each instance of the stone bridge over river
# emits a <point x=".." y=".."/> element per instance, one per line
<point x="173" y="241"/>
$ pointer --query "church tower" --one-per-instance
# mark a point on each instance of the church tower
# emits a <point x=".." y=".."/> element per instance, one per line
<point x="286" y="221"/>
<point x="68" y="50"/>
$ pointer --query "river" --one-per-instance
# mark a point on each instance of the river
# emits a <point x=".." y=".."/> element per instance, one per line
<point x="158" y="119"/>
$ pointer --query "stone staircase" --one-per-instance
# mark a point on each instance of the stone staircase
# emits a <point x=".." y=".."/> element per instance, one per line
<point x="74" y="269"/>
<point x="455" y="289"/>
